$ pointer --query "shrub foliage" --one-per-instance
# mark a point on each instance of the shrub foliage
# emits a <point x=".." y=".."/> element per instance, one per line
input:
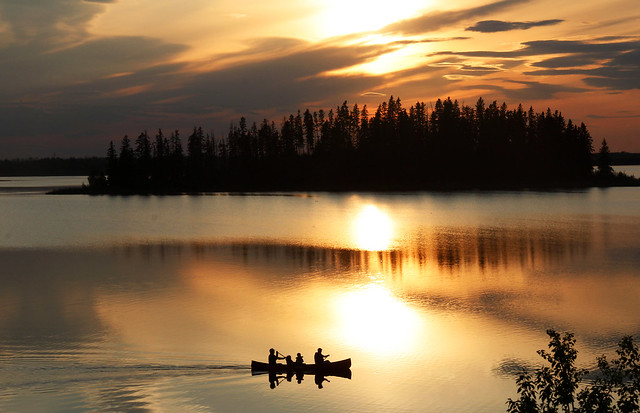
<point x="555" y="387"/>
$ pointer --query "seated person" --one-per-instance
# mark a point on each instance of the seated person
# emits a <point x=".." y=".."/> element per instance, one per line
<point x="289" y="361"/>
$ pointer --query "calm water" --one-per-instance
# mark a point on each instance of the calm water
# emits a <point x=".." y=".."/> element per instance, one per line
<point x="160" y="303"/>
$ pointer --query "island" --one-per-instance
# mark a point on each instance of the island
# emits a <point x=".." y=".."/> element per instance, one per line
<point x="448" y="146"/>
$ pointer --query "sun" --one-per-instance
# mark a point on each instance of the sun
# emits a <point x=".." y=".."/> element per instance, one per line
<point x="372" y="229"/>
<point x="340" y="17"/>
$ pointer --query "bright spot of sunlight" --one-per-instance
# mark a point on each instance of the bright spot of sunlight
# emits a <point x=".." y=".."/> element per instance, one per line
<point x="373" y="320"/>
<point x="373" y="229"/>
<point x="401" y="58"/>
<point x="340" y="17"/>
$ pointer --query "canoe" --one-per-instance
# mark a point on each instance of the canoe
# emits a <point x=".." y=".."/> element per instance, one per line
<point x="330" y="368"/>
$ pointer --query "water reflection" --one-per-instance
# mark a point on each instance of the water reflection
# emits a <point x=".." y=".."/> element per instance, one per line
<point x="444" y="300"/>
<point x="276" y="378"/>
<point x="539" y="277"/>
<point x="450" y="249"/>
<point x="72" y="296"/>
<point x="372" y="319"/>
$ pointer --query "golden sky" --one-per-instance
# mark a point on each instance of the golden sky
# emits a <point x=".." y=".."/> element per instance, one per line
<point x="75" y="74"/>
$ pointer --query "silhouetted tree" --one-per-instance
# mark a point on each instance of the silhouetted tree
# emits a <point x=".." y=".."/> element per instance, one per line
<point x="126" y="165"/>
<point x="160" y="162"/>
<point x="616" y="388"/>
<point x="363" y="131"/>
<point x="309" y="131"/>
<point x="604" y="162"/>
<point x="298" y="133"/>
<point x="112" y="163"/>
<point x="195" y="158"/>
<point x="143" y="160"/>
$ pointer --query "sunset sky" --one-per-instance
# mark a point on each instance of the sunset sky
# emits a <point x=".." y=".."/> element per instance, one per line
<point x="75" y="74"/>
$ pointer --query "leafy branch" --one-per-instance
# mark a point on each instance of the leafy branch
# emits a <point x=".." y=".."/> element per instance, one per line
<point x="556" y="387"/>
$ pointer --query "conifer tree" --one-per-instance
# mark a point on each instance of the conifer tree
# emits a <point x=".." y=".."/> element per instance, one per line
<point x="112" y="162"/>
<point x="604" y="162"/>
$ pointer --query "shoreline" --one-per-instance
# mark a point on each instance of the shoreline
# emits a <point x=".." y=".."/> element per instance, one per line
<point x="619" y="180"/>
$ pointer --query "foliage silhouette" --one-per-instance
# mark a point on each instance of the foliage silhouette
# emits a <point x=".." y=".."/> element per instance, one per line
<point x="554" y="388"/>
<point x="604" y="161"/>
<point x="448" y="147"/>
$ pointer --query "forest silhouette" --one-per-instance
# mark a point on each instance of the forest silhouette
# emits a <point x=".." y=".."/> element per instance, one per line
<point x="448" y="146"/>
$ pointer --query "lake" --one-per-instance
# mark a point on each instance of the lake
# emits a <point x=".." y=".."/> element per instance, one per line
<point x="160" y="303"/>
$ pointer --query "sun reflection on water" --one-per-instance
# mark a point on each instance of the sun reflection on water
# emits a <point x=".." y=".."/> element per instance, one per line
<point x="373" y="229"/>
<point x="375" y="321"/>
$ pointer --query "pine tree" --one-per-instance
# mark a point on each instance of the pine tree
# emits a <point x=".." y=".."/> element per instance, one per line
<point x="604" y="162"/>
<point x="112" y="163"/>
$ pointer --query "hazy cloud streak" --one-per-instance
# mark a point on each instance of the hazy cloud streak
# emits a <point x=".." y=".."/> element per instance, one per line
<point x="434" y="21"/>
<point x="493" y="26"/>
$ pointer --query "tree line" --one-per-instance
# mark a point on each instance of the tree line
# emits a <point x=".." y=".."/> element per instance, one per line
<point x="446" y="146"/>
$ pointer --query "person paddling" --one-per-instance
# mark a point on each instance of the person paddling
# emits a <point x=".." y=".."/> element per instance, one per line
<point x="274" y="356"/>
<point x="319" y="358"/>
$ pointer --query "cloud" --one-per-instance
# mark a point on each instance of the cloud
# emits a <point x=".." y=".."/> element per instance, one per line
<point x="443" y="19"/>
<point x="611" y="65"/>
<point x="577" y="46"/>
<point x="279" y="81"/>
<point x="538" y="90"/>
<point x="575" y="60"/>
<point x="620" y="116"/>
<point x="33" y="68"/>
<point x="606" y="77"/>
<point x="548" y="47"/>
<point x="528" y="90"/>
<point x="468" y="69"/>
<point x="431" y="40"/>
<point x="615" y="68"/>
<point x="51" y="70"/>
<point x="492" y="26"/>
<point x="615" y="80"/>
<point x="616" y="21"/>
<point x="139" y="92"/>
<point x="51" y="48"/>
<point x="49" y="21"/>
